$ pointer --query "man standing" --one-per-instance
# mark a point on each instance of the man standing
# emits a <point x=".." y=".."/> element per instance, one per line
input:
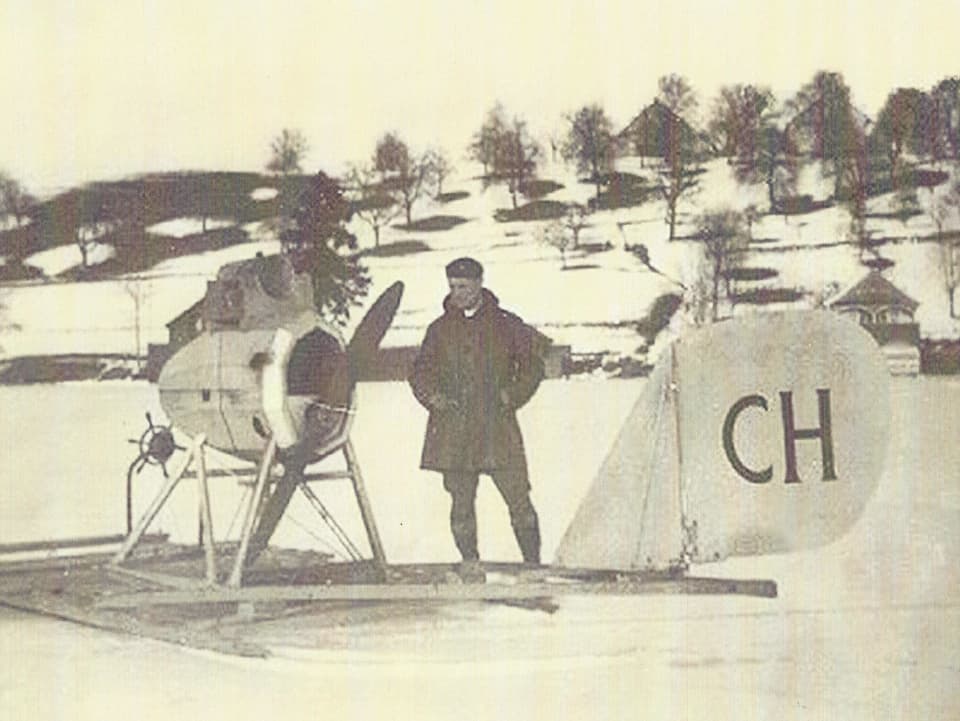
<point x="477" y="365"/>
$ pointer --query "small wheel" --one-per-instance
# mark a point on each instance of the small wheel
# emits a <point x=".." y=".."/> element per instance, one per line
<point x="156" y="445"/>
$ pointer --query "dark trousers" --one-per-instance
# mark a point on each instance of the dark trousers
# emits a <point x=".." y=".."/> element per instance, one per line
<point x="514" y="487"/>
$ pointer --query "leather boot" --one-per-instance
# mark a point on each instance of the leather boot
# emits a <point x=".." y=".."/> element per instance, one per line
<point x="528" y="538"/>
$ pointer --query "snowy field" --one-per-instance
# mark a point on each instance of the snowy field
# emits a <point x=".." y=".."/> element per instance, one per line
<point x="866" y="628"/>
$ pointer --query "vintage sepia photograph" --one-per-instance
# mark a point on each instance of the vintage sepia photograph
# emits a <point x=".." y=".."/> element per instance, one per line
<point x="554" y="359"/>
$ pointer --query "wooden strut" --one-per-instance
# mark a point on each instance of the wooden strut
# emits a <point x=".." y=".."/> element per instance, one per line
<point x="363" y="501"/>
<point x="262" y="514"/>
<point x="275" y="506"/>
<point x="134" y="538"/>
<point x="236" y="576"/>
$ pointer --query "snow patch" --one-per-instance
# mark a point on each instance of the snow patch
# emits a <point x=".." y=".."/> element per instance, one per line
<point x="55" y="261"/>
<point x="264" y="193"/>
<point x="9" y="222"/>
<point x="182" y="227"/>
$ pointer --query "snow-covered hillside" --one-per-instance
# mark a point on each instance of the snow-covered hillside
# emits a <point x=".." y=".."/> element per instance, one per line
<point x="579" y="306"/>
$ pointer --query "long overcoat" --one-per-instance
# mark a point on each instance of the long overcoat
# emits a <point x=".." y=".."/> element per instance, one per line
<point x="472" y="374"/>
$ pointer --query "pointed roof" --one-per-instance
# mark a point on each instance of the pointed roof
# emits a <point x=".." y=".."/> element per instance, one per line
<point x="647" y="127"/>
<point x="875" y="290"/>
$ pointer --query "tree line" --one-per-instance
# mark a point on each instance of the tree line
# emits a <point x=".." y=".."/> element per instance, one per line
<point x="764" y="142"/>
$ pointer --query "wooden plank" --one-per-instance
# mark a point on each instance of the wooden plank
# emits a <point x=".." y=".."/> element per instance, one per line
<point x="66" y="557"/>
<point x="160" y="579"/>
<point x="529" y="572"/>
<point x="57" y="544"/>
<point x="55" y="607"/>
<point x="444" y="592"/>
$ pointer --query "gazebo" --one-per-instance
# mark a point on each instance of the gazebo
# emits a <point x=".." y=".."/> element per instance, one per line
<point x="887" y="313"/>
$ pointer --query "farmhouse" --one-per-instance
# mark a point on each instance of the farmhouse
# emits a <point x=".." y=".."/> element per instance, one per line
<point x="651" y="134"/>
<point x="887" y="313"/>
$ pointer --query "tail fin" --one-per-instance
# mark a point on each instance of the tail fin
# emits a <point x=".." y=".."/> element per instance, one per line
<point x="770" y="430"/>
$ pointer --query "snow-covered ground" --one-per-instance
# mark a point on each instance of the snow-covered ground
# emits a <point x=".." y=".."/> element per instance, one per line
<point x="866" y="628"/>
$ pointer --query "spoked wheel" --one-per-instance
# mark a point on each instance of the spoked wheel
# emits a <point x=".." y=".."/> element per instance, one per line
<point x="156" y="445"/>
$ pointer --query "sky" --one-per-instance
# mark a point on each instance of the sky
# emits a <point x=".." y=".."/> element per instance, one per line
<point x="96" y="90"/>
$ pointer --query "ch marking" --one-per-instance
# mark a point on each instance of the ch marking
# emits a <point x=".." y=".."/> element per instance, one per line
<point x="791" y="434"/>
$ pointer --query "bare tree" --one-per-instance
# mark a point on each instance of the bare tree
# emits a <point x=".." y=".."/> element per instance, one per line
<point x="722" y="236"/>
<point x="486" y="141"/>
<point x="824" y="116"/>
<point x="945" y="109"/>
<point x="14" y="199"/>
<point x="678" y="174"/>
<point x="751" y="214"/>
<point x="442" y="168"/>
<point x="744" y="123"/>
<point x="286" y="152"/>
<point x="87" y="219"/>
<point x="405" y="175"/>
<point x="575" y="219"/>
<point x="557" y="236"/>
<point x="591" y="143"/>
<point x="676" y="179"/>
<point x="904" y="124"/>
<point x="853" y="185"/>
<point x="372" y="203"/>
<point x="135" y="289"/>
<point x="516" y="158"/>
<point x="286" y="155"/>
<point x="677" y="94"/>
<point x="391" y="155"/>
<point x="737" y="115"/>
<point x="943" y="209"/>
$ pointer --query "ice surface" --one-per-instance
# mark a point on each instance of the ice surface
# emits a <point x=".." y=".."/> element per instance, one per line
<point x="865" y="628"/>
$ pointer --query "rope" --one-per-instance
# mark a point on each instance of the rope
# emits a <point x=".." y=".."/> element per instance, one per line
<point x="315" y="536"/>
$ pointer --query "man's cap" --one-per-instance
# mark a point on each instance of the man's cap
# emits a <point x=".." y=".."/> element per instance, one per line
<point x="464" y="268"/>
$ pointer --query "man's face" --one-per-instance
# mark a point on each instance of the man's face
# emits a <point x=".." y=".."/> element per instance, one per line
<point x="465" y="292"/>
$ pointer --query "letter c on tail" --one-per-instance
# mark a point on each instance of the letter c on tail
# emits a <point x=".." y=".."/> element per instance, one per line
<point x="729" y="422"/>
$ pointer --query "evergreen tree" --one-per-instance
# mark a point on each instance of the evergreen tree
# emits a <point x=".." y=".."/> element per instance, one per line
<point x="319" y="243"/>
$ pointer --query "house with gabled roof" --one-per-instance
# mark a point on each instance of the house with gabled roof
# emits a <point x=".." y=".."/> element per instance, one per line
<point x="648" y="134"/>
<point x="886" y="313"/>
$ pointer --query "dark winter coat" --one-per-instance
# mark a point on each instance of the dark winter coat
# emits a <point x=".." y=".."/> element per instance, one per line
<point x="472" y="374"/>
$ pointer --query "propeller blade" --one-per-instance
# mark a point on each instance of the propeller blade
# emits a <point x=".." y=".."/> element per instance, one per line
<point x="368" y="334"/>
